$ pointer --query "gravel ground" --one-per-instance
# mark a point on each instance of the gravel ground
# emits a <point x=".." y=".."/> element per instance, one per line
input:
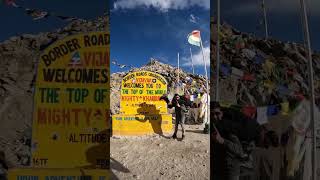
<point x="159" y="157"/>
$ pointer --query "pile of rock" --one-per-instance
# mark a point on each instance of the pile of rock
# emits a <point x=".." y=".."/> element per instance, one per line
<point x="169" y="72"/>
<point x="259" y="72"/>
<point x="262" y="72"/>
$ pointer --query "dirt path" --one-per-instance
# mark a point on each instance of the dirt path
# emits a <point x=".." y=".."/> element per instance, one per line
<point x="157" y="157"/>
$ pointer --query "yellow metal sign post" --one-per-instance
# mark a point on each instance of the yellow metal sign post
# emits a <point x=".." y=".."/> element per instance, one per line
<point x="71" y="126"/>
<point x="142" y="111"/>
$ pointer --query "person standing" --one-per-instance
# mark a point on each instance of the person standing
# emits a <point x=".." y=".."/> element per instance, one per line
<point x="180" y="106"/>
<point x="204" y="113"/>
<point x="227" y="151"/>
<point x="3" y="166"/>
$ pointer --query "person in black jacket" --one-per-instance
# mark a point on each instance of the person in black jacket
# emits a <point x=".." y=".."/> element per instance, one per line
<point x="180" y="104"/>
<point x="3" y="166"/>
<point x="227" y="151"/>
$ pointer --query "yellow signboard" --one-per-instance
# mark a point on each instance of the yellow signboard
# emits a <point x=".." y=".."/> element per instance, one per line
<point x="71" y="104"/>
<point x="141" y="110"/>
<point x="141" y="92"/>
<point x="58" y="174"/>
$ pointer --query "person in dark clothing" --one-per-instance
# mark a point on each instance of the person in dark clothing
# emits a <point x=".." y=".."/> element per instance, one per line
<point x="267" y="138"/>
<point x="165" y="98"/>
<point x="180" y="105"/>
<point x="3" y="166"/>
<point x="227" y="151"/>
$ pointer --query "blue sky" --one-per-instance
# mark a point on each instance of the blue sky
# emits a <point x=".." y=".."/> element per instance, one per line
<point x="158" y="29"/>
<point x="283" y="18"/>
<point x="15" y="21"/>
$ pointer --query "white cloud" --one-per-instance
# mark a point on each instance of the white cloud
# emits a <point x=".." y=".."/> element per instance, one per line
<point x="197" y="58"/>
<point x="162" y="5"/>
<point x="278" y="6"/>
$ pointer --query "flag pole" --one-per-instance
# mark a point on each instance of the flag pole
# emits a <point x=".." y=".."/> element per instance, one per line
<point x="178" y="68"/>
<point x="218" y="53"/>
<point x="191" y="61"/>
<point x="265" y="19"/>
<point x="311" y="84"/>
<point x="207" y="83"/>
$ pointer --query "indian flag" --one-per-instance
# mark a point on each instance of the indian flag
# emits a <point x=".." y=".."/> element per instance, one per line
<point x="194" y="38"/>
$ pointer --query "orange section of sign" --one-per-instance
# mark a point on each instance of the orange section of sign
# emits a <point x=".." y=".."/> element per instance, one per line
<point x="141" y="92"/>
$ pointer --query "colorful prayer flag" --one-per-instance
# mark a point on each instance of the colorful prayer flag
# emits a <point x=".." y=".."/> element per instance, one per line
<point x="11" y="3"/>
<point x="248" y="77"/>
<point x="225" y="69"/>
<point x="258" y="59"/>
<point x="285" y="108"/>
<point x="269" y="84"/>
<point x="250" y="54"/>
<point x="290" y="72"/>
<point x="225" y="104"/>
<point x="299" y="96"/>
<point x="268" y="67"/>
<point x="249" y="111"/>
<point x="67" y="18"/>
<point x="37" y="14"/>
<point x="272" y="110"/>
<point x="194" y="38"/>
<point x="192" y="98"/>
<point x="297" y="77"/>
<point x="237" y="72"/>
<point x="262" y="117"/>
<point x="283" y="90"/>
